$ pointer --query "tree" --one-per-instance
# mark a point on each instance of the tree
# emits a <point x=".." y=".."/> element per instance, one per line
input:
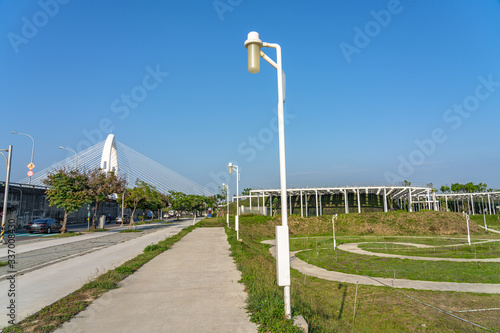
<point x="69" y="190"/>
<point x="137" y="197"/>
<point x="154" y="201"/>
<point x="406" y="183"/>
<point x="101" y="186"/>
<point x="179" y="201"/>
<point x="246" y="191"/>
<point x="445" y="189"/>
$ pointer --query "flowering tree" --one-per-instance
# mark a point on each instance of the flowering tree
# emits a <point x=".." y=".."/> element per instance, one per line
<point x="102" y="186"/>
<point x="69" y="190"/>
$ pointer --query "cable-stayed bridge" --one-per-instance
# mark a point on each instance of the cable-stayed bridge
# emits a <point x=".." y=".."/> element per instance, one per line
<point x="112" y="155"/>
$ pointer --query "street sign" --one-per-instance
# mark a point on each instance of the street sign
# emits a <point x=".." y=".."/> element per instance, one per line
<point x="30" y="173"/>
<point x="31" y="166"/>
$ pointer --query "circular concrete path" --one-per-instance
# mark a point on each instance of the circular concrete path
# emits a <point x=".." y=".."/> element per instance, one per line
<point x="311" y="270"/>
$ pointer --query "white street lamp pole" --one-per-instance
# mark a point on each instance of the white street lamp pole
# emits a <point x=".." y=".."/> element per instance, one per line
<point x="333" y="225"/>
<point x="32" y="149"/>
<point x="254" y="45"/>
<point x="468" y="230"/>
<point x="484" y="217"/>
<point x="76" y="160"/>
<point x="237" y="217"/>
<point x="227" y="201"/>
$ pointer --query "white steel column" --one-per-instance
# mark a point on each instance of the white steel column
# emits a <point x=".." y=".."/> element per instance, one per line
<point x="410" y="208"/>
<point x="250" y="202"/>
<point x="472" y="205"/>
<point x="359" y="203"/>
<point x="446" y="201"/>
<point x="307" y="210"/>
<point x="346" y="202"/>
<point x="489" y="204"/>
<point x="316" y="193"/>
<point x="301" y="205"/>
<point x="385" y="200"/>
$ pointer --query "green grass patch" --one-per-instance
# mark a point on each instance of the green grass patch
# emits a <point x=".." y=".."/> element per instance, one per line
<point x="98" y="230"/>
<point x="491" y="220"/>
<point x="303" y="243"/>
<point x="3" y="263"/>
<point x="443" y="271"/>
<point x="474" y="251"/>
<point x="53" y="316"/>
<point x="66" y="234"/>
<point x="212" y="222"/>
<point x="265" y="298"/>
<point x="130" y="230"/>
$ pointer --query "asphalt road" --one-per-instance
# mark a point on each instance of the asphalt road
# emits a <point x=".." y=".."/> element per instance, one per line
<point x="23" y="235"/>
<point x="40" y="251"/>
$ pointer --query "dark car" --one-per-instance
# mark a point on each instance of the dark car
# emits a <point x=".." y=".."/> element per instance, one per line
<point x="125" y="219"/>
<point x="47" y="225"/>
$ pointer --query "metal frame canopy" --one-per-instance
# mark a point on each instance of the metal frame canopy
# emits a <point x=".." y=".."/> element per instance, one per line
<point x="414" y="197"/>
<point x="410" y="194"/>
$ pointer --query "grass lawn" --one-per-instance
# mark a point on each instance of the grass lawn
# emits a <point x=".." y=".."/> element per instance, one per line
<point x="491" y="220"/>
<point x="444" y="271"/>
<point x="474" y="251"/>
<point x="328" y="306"/>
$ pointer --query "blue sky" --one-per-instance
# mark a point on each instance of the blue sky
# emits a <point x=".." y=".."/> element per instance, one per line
<point x="377" y="91"/>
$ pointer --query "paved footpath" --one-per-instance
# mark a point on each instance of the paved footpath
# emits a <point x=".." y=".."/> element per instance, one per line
<point x="192" y="287"/>
<point x="41" y="287"/>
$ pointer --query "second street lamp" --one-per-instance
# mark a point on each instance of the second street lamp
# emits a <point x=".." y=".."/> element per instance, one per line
<point x="76" y="156"/>
<point x="32" y="152"/>
<point x="237" y="217"/>
<point x="254" y="45"/>
<point x="225" y="186"/>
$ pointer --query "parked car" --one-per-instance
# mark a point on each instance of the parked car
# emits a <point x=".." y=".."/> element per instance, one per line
<point x="47" y="225"/>
<point x="125" y="219"/>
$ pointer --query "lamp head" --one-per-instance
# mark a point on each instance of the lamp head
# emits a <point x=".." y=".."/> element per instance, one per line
<point x="253" y="45"/>
<point x="230" y="168"/>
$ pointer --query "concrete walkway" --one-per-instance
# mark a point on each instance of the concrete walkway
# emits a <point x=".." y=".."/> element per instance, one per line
<point x="311" y="270"/>
<point x="192" y="287"/>
<point x="39" y="288"/>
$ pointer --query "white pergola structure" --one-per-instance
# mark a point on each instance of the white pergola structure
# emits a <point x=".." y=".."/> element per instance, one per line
<point x="412" y="197"/>
<point x="468" y="202"/>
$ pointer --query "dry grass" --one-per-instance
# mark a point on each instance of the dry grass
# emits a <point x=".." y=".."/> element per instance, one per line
<point x="397" y="223"/>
